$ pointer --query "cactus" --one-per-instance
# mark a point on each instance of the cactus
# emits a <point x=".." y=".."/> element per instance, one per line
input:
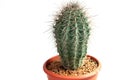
<point x="71" y="31"/>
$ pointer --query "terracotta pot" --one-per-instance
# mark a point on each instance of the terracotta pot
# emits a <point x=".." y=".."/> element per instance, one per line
<point x="53" y="76"/>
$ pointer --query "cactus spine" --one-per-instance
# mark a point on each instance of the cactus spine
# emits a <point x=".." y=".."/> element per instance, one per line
<point x="71" y="30"/>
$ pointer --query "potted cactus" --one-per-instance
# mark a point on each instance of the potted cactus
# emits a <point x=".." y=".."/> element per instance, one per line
<point x="71" y="32"/>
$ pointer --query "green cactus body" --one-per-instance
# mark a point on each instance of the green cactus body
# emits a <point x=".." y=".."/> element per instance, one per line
<point x="71" y="30"/>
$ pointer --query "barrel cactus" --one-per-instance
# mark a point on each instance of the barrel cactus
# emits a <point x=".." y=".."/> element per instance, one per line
<point x="71" y="31"/>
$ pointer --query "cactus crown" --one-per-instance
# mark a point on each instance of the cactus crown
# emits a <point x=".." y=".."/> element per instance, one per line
<point x="71" y="30"/>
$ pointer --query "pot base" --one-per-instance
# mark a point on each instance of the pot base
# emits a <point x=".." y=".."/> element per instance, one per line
<point x="53" y="76"/>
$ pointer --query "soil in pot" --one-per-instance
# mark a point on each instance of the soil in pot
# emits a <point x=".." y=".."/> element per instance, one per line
<point x="88" y="66"/>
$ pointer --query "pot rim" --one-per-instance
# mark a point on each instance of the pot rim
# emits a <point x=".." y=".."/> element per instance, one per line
<point x="50" y="73"/>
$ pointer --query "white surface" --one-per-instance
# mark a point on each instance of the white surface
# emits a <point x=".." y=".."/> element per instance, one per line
<point x="26" y="40"/>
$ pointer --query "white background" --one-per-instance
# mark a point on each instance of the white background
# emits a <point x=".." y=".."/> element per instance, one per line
<point x="26" y="39"/>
